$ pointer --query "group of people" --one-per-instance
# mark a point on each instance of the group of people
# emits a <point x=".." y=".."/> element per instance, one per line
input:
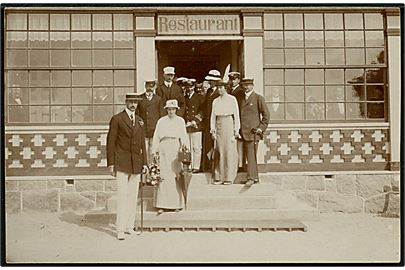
<point x="219" y="122"/>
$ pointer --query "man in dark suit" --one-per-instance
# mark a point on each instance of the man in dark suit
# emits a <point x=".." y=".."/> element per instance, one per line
<point x="237" y="91"/>
<point x="254" y="116"/>
<point x="126" y="160"/>
<point x="212" y="93"/>
<point x="169" y="90"/>
<point x="193" y="118"/>
<point x="150" y="109"/>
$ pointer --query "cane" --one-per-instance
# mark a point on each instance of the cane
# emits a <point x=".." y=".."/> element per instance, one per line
<point x="142" y="180"/>
<point x="255" y="152"/>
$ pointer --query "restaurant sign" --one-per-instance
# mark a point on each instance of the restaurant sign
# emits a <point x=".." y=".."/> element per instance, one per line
<point x="198" y="24"/>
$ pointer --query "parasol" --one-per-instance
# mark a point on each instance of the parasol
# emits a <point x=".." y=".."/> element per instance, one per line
<point x="185" y="179"/>
<point x="225" y="78"/>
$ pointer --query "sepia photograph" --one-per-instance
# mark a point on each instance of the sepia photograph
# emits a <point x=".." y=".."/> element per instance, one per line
<point x="182" y="134"/>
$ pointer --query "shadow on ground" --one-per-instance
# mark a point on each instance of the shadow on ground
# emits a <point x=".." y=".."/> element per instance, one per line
<point x="73" y="218"/>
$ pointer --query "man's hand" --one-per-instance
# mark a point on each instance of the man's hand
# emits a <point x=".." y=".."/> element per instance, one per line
<point x="213" y="134"/>
<point x="112" y="171"/>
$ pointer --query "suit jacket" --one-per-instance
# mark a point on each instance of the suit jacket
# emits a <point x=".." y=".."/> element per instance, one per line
<point x="194" y="107"/>
<point x="253" y="114"/>
<point x="238" y="93"/>
<point x="150" y="111"/>
<point x="174" y="92"/>
<point x="126" y="144"/>
<point x="209" y="98"/>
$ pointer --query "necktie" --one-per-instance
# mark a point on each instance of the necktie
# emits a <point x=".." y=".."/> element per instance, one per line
<point x="132" y="119"/>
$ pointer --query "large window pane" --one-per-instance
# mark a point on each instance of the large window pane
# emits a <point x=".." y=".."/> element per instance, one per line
<point x="354" y="21"/>
<point x="335" y="93"/>
<point x="334" y="39"/>
<point x="60" y="58"/>
<point x="315" y="111"/>
<point x="60" y="22"/>
<point x="81" y="40"/>
<point x="274" y="94"/>
<point x="38" y="39"/>
<point x="355" y="56"/>
<point x="273" y="39"/>
<point x="17" y="58"/>
<point x="293" y="21"/>
<point x="123" y="77"/>
<point x="313" y="21"/>
<point x="276" y="111"/>
<point x="355" y="93"/>
<point x="294" y="76"/>
<point x="102" y="22"/>
<point x="102" y="58"/>
<point x="81" y="114"/>
<point x="375" y="110"/>
<point x="60" y="78"/>
<point x="102" y="39"/>
<point x="38" y="21"/>
<point x="39" y="114"/>
<point x="82" y="78"/>
<point x="294" y="93"/>
<point x="17" y="21"/>
<point x="81" y="22"/>
<point x="17" y="96"/>
<point x="18" y="114"/>
<point x="61" y="114"/>
<point x="103" y="95"/>
<point x="273" y="21"/>
<point x="60" y="39"/>
<point x="39" y="96"/>
<point x="294" y="56"/>
<point x="274" y="56"/>
<point x="375" y="93"/>
<point x="314" y="76"/>
<point x="314" y="94"/>
<point x="375" y="56"/>
<point x="335" y="57"/>
<point x="16" y="39"/>
<point x="315" y="57"/>
<point x="335" y="111"/>
<point x="374" y="39"/>
<point x="103" y="77"/>
<point x="294" y="111"/>
<point x="119" y="94"/>
<point x="354" y="38"/>
<point x="314" y="39"/>
<point x="39" y="78"/>
<point x="355" y="111"/>
<point x="124" y="58"/>
<point x="81" y="58"/>
<point x="39" y="58"/>
<point x="103" y="113"/>
<point x="123" y="21"/>
<point x="61" y="96"/>
<point x="123" y="40"/>
<point x="294" y="38"/>
<point x="373" y="20"/>
<point x="333" y="21"/>
<point x="17" y="78"/>
<point x="334" y="76"/>
<point x="274" y="76"/>
<point x="82" y="95"/>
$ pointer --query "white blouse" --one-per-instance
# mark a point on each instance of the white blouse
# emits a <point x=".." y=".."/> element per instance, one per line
<point x="170" y="128"/>
<point x="223" y="106"/>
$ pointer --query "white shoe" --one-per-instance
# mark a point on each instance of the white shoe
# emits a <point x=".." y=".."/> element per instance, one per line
<point x="121" y="236"/>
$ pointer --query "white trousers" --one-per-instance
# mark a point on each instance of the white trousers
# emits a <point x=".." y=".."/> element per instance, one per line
<point x="240" y="153"/>
<point x="195" y="147"/>
<point x="148" y="144"/>
<point x="127" y="199"/>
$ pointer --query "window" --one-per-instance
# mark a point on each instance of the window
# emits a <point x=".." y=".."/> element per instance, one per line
<point x="325" y="66"/>
<point x="68" y="68"/>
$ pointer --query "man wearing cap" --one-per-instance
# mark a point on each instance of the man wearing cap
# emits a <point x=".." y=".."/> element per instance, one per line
<point x="126" y="160"/>
<point x="150" y="109"/>
<point x="169" y="90"/>
<point x="193" y="118"/>
<point x="212" y="93"/>
<point x="237" y="91"/>
<point x="254" y="116"/>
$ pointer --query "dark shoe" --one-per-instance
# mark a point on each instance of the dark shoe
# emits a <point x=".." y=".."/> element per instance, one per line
<point x="249" y="183"/>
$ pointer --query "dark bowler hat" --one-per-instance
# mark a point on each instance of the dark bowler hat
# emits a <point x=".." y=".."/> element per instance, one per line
<point x="233" y="75"/>
<point x="247" y="81"/>
<point x="133" y="97"/>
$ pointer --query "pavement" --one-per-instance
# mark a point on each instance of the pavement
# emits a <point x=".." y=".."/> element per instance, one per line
<point x="66" y="238"/>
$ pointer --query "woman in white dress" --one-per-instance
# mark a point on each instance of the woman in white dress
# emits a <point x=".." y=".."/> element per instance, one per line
<point x="170" y="134"/>
<point x="225" y="125"/>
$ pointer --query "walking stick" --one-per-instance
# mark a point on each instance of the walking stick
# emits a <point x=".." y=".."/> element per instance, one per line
<point x="142" y="178"/>
<point x="255" y="150"/>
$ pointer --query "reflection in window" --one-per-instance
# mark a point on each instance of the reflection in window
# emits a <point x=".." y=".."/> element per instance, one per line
<point x="276" y="111"/>
<point x="60" y="114"/>
<point x="274" y="94"/>
<point x="375" y="93"/>
<point x="375" y="110"/>
<point x="39" y="114"/>
<point x="335" y="111"/>
<point x="81" y="114"/>
<point x="355" y="111"/>
<point x="315" y="111"/>
<point x="103" y="95"/>
<point x="375" y="56"/>
<point x="355" y="93"/>
<point x="314" y="93"/>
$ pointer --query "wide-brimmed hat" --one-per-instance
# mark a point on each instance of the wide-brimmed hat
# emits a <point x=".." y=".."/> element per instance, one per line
<point x="191" y="82"/>
<point x="247" y="81"/>
<point x="133" y="97"/>
<point x="221" y="83"/>
<point x="172" y="103"/>
<point x="169" y="70"/>
<point x="181" y="80"/>
<point x="213" y="75"/>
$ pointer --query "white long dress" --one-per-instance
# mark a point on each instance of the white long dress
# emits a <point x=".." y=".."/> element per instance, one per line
<point x="166" y="140"/>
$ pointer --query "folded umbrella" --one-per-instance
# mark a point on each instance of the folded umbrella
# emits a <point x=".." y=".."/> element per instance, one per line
<point x="185" y="179"/>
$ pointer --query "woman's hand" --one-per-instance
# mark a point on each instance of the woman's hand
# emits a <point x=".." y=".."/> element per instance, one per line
<point x="112" y="171"/>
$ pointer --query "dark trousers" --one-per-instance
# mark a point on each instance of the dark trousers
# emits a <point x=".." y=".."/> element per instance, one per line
<point x="250" y="157"/>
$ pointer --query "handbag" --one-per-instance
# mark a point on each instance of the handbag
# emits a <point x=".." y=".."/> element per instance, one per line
<point x="184" y="154"/>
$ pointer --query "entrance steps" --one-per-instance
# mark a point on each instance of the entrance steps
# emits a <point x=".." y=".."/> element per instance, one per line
<point x="228" y="207"/>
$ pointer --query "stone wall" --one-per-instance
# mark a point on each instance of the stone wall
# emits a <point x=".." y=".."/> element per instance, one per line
<point x="348" y="193"/>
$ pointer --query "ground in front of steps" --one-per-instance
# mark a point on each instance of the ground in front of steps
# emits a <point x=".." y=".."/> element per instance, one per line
<point x="64" y="238"/>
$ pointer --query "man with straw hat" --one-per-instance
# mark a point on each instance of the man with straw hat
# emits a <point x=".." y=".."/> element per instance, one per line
<point x="170" y="90"/>
<point x="126" y="160"/>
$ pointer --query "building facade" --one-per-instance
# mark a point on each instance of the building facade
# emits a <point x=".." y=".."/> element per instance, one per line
<point x="331" y="77"/>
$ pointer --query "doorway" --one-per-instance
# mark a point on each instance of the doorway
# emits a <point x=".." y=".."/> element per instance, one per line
<point x="194" y="59"/>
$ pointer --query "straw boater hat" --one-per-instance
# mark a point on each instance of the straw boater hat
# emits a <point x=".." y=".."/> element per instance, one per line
<point x="169" y="70"/>
<point x="172" y="103"/>
<point x="191" y="82"/>
<point x="133" y="97"/>
<point x="213" y="75"/>
<point x="247" y="81"/>
<point x="234" y="75"/>
<point x="150" y="82"/>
